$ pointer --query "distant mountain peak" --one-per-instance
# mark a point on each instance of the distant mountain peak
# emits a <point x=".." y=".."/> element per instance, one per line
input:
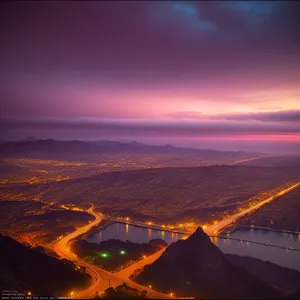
<point x="199" y="236"/>
<point x="199" y="232"/>
<point x="197" y="267"/>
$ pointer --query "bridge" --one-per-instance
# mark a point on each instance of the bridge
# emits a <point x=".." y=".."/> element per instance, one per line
<point x="149" y="225"/>
<point x="253" y="242"/>
<point x="159" y="227"/>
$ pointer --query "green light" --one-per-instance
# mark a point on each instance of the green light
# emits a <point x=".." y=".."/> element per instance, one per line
<point x="104" y="255"/>
<point x="122" y="252"/>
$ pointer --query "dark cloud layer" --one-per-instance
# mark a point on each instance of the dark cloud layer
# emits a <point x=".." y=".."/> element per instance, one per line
<point x="290" y="116"/>
<point x="149" y="128"/>
<point x="153" y="60"/>
<point x="143" y="36"/>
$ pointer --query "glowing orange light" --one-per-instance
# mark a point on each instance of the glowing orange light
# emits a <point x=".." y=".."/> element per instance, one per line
<point x="127" y="219"/>
<point x="29" y="293"/>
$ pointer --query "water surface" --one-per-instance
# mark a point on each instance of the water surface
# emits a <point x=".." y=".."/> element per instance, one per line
<point x="284" y="257"/>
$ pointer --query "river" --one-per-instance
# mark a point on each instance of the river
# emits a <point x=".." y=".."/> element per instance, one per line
<point x="283" y="257"/>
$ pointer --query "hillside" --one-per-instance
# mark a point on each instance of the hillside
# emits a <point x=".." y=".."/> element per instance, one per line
<point x="56" y="148"/>
<point x="25" y="269"/>
<point x="197" y="268"/>
<point x="283" y="279"/>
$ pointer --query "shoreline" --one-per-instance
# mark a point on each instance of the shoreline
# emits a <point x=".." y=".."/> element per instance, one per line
<point x="262" y="228"/>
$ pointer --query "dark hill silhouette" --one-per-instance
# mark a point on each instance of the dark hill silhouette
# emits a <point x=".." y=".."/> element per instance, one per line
<point x="295" y="295"/>
<point x="196" y="267"/>
<point x="283" y="279"/>
<point x="31" y="147"/>
<point x="25" y="269"/>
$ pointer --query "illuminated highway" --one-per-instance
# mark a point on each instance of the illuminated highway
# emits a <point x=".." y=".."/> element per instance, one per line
<point x="211" y="230"/>
<point x="214" y="229"/>
<point x="245" y="160"/>
<point x="100" y="279"/>
<point x="125" y="273"/>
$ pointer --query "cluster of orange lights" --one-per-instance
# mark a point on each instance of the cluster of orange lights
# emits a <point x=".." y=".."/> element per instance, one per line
<point x="172" y="227"/>
<point x="163" y="226"/>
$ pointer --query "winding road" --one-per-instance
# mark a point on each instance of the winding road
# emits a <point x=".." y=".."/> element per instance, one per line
<point x="102" y="279"/>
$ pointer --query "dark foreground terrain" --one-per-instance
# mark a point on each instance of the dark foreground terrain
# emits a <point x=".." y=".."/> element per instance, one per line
<point x="197" y="268"/>
<point x="26" y="269"/>
<point x="114" y="254"/>
<point x="122" y="292"/>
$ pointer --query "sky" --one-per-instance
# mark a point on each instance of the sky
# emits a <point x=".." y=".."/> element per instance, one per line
<point x="220" y="74"/>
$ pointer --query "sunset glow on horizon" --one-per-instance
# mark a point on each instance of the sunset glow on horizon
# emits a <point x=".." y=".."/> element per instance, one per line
<point x="217" y="70"/>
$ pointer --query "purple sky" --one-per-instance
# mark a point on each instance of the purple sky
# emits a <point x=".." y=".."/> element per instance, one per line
<point x="190" y="73"/>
